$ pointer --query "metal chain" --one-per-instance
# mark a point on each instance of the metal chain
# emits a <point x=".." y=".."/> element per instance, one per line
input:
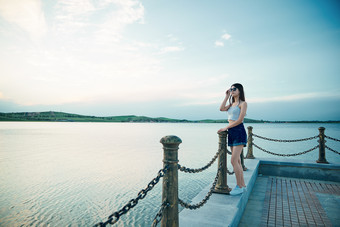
<point x="332" y="150"/>
<point x="332" y="138"/>
<point x="207" y="197"/>
<point x="286" y="155"/>
<point x="189" y="170"/>
<point x="285" y="141"/>
<point x="230" y="173"/>
<point x="113" y="218"/>
<point x="159" y="215"/>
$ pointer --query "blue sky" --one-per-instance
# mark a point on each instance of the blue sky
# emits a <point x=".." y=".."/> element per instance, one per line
<point x="171" y="58"/>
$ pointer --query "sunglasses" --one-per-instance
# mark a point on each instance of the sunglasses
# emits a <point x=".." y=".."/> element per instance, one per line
<point x="233" y="89"/>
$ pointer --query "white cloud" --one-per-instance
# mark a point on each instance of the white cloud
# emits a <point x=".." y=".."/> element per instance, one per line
<point x="64" y="76"/>
<point x="175" y="45"/>
<point x="72" y="16"/>
<point x="27" y="15"/>
<point x="219" y="44"/>
<point x="128" y="12"/>
<point x="85" y="56"/>
<point x="75" y="7"/>
<point x="103" y="20"/>
<point x="226" y="36"/>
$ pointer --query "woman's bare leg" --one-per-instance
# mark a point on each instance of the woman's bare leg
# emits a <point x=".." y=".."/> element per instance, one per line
<point x="239" y="162"/>
<point x="236" y="162"/>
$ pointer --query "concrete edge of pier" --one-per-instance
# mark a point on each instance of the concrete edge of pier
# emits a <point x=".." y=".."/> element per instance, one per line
<point x="226" y="210"/>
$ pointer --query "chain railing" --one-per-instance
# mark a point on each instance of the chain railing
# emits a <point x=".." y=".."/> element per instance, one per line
<point x="206" y="198"/>
<point x="159" y="215"/>
<point x="168" y="211"/>
<point x="285" y="155"/>
<point x="321" y="145"/>
<point x="220" y="184"/>
<point x="328" y="137"/>
<point x="285" y="141"/>
<point x="337" y="140"/>
<point x="189" y="170"/>
<point x="170" y="181"/>
<point x="113" y="218"/>
<point x="198" y="170"/>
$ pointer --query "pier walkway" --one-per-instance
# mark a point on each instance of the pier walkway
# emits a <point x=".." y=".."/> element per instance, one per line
<point x="274" y="197"/>
<point x="280" y="201"/>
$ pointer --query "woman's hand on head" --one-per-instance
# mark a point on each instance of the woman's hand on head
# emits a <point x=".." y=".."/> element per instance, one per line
<point x="227" y="93"/>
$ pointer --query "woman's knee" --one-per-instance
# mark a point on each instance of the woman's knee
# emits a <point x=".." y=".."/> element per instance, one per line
<point x="234" y="160"/>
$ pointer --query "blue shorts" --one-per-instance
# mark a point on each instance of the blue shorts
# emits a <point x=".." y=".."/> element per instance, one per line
<point x="237" y="136"/>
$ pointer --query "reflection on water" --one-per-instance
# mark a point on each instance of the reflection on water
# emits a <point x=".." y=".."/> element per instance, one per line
<point x="79" y="173"/>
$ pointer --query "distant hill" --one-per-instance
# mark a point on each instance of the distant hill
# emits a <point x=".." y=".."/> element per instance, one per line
<point x="68" y="117"/>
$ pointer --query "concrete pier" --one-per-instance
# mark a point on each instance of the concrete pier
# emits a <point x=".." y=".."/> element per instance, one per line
<point x="282" y="201"/>
<point x="225" y="210"/>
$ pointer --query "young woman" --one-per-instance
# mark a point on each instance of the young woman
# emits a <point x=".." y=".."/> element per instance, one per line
<point x="237" y="137"/>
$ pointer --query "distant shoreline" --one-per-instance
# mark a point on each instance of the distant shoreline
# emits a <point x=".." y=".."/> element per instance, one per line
<point x="51" y="116"/>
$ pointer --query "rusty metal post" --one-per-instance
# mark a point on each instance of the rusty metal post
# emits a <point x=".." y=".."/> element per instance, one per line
<point x="221" y="186"/>
<point x="322" y="153"/>
<point x="170" y="180"/>
<point x="250" y="143"/>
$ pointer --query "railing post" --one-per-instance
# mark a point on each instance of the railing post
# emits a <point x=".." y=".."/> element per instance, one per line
<point x="221" y="186"/>
<point x="170" y="180"/>
<point x="242" y="161"/>
<point x="250" y="143"/>
<point x="322" y="153"/>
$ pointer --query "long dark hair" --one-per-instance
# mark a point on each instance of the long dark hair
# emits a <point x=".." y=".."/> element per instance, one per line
<point x="240" y="88"/>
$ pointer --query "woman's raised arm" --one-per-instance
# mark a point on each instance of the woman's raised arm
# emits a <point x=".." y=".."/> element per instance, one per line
<point x="223" y="106"/>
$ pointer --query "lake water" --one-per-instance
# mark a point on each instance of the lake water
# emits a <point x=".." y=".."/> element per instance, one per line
<point x="77" y="174"/>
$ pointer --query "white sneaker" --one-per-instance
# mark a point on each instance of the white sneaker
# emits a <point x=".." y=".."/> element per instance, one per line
<point x="236" y="187"/>
<point x="236" y="191"/>
<point x="244" y="188"/>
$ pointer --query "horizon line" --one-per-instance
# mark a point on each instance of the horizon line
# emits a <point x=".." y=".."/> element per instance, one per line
<point x="279" y="121"/>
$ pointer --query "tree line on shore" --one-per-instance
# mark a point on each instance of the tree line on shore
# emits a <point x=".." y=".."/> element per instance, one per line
<point x="68" y="117"/>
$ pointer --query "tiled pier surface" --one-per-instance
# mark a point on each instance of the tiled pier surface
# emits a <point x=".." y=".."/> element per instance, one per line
<point x="279" y="201"/>
<point x="274" y="199"/>
<point x="220" y="210"/>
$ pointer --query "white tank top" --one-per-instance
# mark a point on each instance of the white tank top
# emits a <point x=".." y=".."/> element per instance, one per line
<point x="234" y="113"/>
